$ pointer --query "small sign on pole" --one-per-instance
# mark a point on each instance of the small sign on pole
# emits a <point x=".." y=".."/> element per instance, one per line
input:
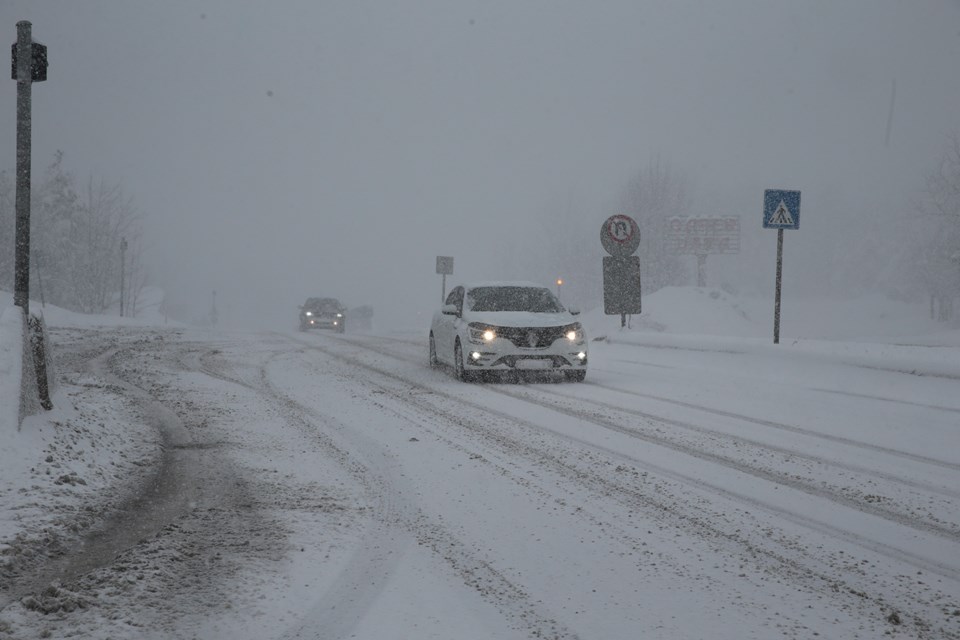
<point x="444" y="268"/>
<point x="28" y="65"/>
<point x="620" y="236"/>
<point x="781" y="210"/>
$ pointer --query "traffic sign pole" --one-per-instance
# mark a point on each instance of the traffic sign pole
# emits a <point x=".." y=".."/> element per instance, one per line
<point x="24" y="80"/>
<point x="620" y="237"/>
<point x="444" y="268"/>
<point x="776" y="304"/>
<point x="781" y="210"/>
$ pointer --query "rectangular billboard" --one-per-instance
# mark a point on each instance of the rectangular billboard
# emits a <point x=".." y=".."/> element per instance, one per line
<point x="703" y="235"/>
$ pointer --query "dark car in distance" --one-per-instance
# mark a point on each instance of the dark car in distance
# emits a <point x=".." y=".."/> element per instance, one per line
<point x="323" y="313"/>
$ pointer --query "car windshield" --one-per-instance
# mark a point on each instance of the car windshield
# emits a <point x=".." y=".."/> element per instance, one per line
<point x="322" y="306"/>
<point x="535" y="299"/>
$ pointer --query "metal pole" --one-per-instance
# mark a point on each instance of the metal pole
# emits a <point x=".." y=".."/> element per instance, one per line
<point x="776" y="305"/>
<point x="21" y="296"/>
<point x="701" y="270"/>
<point x="36" y="262"/>
<point x="123" y="262"/>
<point x="443" y="288"/>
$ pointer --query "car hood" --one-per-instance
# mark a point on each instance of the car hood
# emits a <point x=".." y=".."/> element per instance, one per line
<point x="519" y="318"/>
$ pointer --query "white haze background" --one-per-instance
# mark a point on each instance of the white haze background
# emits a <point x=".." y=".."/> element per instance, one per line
<point x="287" y="149"/>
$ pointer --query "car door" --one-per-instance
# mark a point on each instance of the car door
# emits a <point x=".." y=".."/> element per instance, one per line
<point x="447" y="326"/>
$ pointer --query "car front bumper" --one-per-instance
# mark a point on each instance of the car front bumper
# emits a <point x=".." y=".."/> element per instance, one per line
<point x="321" y="322"/>
<point x="503" y="355"/>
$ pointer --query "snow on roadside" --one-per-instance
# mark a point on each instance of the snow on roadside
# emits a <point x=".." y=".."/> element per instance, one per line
<point x="11" y="348"/>
<point x="893" y="336"/>
<point x="63" y="470"/>
<point x="715" y="312"/>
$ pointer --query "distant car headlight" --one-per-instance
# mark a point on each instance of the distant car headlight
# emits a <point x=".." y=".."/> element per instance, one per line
<point x="339" y="315"/>
<point x="308" y="313"/>
<point x="573" y="332"/>
<point x="482" y="333"/>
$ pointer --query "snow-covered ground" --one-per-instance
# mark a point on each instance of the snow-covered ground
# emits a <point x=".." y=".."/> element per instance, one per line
<point x="703" y="483"/>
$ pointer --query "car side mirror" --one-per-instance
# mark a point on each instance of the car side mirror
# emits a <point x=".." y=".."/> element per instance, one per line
<point x="574" y="310"/>
<point x="449" y="310"/>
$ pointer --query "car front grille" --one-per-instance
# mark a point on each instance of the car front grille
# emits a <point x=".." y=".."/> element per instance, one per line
<point x="531" y="337"/>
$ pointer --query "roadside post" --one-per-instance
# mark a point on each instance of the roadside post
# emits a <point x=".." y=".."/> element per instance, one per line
<point x="781" y="210"/>
<point x="123" y="261"/>
<point x="620" y="237"/>
<point x="28" y="65"/>
<point x="444" y="268"/>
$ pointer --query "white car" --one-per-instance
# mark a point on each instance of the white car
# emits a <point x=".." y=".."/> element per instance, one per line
<point x="507" y="326"/>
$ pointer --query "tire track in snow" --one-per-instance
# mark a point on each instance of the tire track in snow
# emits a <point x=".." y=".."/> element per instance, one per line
<point x="867" y="446"/>
<point x="791" y="428"/>
<point x="689" y="518"/>
<point x="160" y="500"/>
<point x="949" y="572"/>
<point x="949" y="532"/>
<point x="380" y="550"/>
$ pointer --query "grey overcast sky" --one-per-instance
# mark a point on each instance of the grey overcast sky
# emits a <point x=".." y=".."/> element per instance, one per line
<point x="292" y="148"/>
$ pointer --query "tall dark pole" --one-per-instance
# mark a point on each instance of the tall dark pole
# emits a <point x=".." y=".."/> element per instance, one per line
<point x="123" y="263"/>
<point x="776" y="304"/>
<point x="21" y="296"/>
<point x="701" y="270"/>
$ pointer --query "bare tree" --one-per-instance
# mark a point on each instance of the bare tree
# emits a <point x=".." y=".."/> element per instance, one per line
<point x="651" y="197"/>
<point x="936" y="259"/>
<point x="104" y="219"/>
<point x="75" y="241"/>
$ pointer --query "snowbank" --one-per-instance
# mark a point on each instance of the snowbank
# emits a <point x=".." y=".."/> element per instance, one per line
<point x="872" y="331"/>
<point x="714" y="312"/>
<point x="11" y="368"/>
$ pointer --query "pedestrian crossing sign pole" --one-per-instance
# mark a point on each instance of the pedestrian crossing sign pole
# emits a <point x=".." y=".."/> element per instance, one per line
<point x="781" y="210"/>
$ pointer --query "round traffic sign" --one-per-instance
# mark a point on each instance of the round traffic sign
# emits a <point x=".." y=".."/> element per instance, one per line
<point x="620" y="235"/>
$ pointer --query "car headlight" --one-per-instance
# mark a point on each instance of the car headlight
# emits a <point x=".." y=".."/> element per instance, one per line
<point x="339" y="315"/>
<point x="573" y="332"/>
<point x="308" y="313"/>
<point x="482" y="333"/>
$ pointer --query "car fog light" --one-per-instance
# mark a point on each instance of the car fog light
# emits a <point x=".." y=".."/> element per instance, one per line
<point x="335" y="323"/>
<point x="475" y="355"/>
<point x="581" y="355"/>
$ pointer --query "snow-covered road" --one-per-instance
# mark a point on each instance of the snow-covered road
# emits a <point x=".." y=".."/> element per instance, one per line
<point x="325" y="486"/>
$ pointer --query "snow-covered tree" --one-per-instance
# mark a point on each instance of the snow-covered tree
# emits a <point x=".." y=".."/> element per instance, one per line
<point x="54" y="207"/>
<point x="74" y="241"/>
<point x="651" y="197"/>
<point x="936" y="261"/>
<point x="105" y="217"/>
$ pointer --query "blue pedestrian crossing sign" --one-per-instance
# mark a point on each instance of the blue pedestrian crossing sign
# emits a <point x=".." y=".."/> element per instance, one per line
<point x="781" y="209"/>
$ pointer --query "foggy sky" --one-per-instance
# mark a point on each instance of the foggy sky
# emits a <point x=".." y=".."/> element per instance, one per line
<point x="294" y="148"/>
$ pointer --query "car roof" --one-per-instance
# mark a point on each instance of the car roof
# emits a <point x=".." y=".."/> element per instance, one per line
<point x="504" y="283"/>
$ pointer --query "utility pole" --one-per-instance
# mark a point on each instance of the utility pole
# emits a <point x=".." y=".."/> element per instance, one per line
<point x="29" y="65"/>
<point x="123" y="263"/>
